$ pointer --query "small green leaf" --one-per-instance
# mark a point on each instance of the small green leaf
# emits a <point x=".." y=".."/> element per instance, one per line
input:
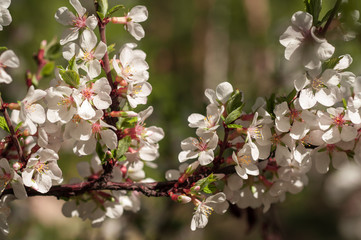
<point x="103" y="8"/>
<point x="47" y="70"/>
<point x="53" y="51"/>
<point x="114" y="9"/>
<point x="100" y="152"/>
<point x="2" y="49"/>
<point x="70" y="77"/>
<point x="234" y="126"/>
<point x="4" y="125"/>
<point x="123" y="146"/>
<point x="344" y="103"/>
<point x="111" y="48"/>
<point x="331" y="63"/>
<point x="234" y="101"/>
<point x="291" y="95"/>
<point x="234" y="115"/>
<point x="18" y="126"/>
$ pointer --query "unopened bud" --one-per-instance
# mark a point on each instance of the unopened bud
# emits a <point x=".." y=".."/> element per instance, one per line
<point x="119" y="20"/>
<point x="16" y="166"/>
<point x="14" y="106"/>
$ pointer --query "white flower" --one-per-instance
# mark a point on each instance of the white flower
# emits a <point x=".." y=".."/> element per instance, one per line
<point x="202" y="148"/>
<point x="206" y="124"/>
<point x="32" y="113"/>
<point x="61" y="104"/>
<point x="5" y="17"/>
<point x="138" y="93"/>
<point x="302" y="44"/>
<point x="131" y="21"/>
<point x="131" y="65"/>
<point x="337" y="126"/>
<point x="245" y="164"/>
<point x="9" y="176"/>
<point x="217" y="203"/>
<point x="7" y="59"/>
<point x="42" y="170"/>
<point x="76" y="22"/>
<point x="223" y="91"/>
<point x="87" y="52"/>
<point x="322" y="157"/>
<point x="323" y="89"/>
<point x="97" y="94"/>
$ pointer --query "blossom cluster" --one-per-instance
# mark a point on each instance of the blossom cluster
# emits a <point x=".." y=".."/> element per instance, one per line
<point x="83" y="107"/>
<point x="272" y="147"/>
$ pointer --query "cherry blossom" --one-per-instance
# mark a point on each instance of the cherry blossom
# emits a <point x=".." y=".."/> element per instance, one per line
<point x="76" y="22"/>
<point x="7" y="59"/>
<point x="5" y="17"/>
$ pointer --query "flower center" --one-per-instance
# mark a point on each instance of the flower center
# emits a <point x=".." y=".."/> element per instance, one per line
<point x="255" y="132"/>
<point x="79" y="22"/>
<point x="87" y="93"/>
<point x="317" y="84"/>
<point x="201" y="145"/>
<point x="88" y="56"/>
<point x="338" y="120"/>
<point x="244" y="160"/>
<point x="41" y="167"/>
<point x="66" y="101"/>
<point x="96" y="128"/>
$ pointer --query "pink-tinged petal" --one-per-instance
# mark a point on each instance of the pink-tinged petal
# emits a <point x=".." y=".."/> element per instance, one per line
<point x="86" y="111"/>
<point x="252" y="170"/>
<point x="343" y="63"/>
<point x="148" y="153"/>
<point x="109" y="138"/>
<point x="102" y="85"/>
<point x="68" y="35"/>
<point x="301" y="81"/>
<point x="94" y="68"/>
<point x="325" y="51"/>
<point x="322" y="161"/>
<point x="299" y="130"/>
<point x="18" y="187"/>
<point x="332" y="136"/>
<point x="100" y="50"/>
<point x="138" y="14"/>
<point x="185" y="155"/>
<point x="283" y="124"/>
<point x="8" y="58"/>
<point x="339" y="159"/>
<point x="327" y="97"/>
<point x="154" y="134"/>
<point x="224" y="91"/>
<point x="102" y="101"/>
<point x="42" y="183"/>
<point x="36" y="113"/>
<point x="241" y="172"/>
<point x="307" y="99"/>
<point x="136" y="30"/>
<point x="69" y="50"/>
<point x="206" y="157"/>
<point x="64" y="16"/>
<point x="302" y="20"/>
<point x="88" y="40"/>
<point x="91" y="22"/>
<point x="78" y="7"/>
<point x="4" y="77"/>
<point x="348" y="133"/>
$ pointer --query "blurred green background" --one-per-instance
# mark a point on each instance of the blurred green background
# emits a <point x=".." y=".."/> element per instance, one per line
<point x="190" y="45"/>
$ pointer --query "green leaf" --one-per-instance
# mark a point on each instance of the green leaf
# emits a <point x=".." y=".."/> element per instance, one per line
<point x="331" y="63"/>
<point x="2" y="49"/>
<point x="18" y="126"/>
<point x="204" y="184"/>
<point x="291" y="95"/>
<point x="111" y="48"/>
<point x="123" y="146"/>
<point x="100" y="152"/>
<point x="234" y="115"/>
<point x="114" y="9"/>
<point x="4" y="125"/>
<point x="103" y="8"/>
<point x="344" y="103"/>
<point x="314" y="8"/>
<point x="271" y="104"/>
<point x="326" y="17"/>
<point x="234" y="101"/>
<point x="70" y="77"/>
<point x="48" y="69"/>
<point x="234" y="126"/>
<point x="53" y="51"/>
